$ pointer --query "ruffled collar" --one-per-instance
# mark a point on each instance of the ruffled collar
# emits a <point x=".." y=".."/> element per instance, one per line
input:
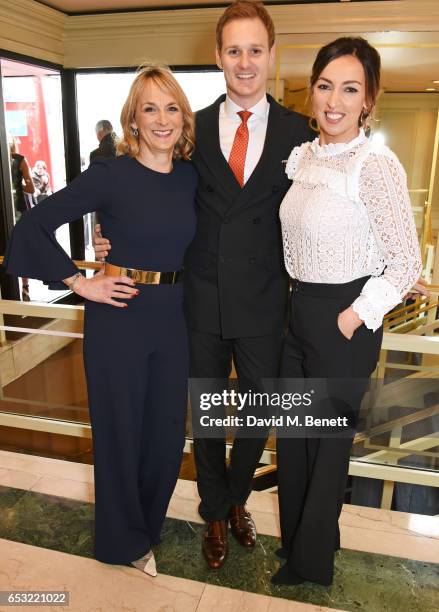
<point x="331" y="149"/>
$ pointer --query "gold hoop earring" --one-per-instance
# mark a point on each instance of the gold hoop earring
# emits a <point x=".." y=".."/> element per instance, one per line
<point x="314" y="126"/>
<point x="362" y="119"/>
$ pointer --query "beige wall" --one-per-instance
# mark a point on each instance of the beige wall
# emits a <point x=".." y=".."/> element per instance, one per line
<point x="184" y="36"/>
<point x="408" y="122"/>
<point x="297" y="100"/>
<point x="32" y="29"/>
<point x="187" y="37"/>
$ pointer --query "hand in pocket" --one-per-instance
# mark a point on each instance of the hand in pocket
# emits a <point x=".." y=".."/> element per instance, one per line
<point x="348" y="321"/>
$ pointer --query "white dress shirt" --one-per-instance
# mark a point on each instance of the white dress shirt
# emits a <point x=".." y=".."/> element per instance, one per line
<point x="229" y="122"/>
<point x="348" y="215"/>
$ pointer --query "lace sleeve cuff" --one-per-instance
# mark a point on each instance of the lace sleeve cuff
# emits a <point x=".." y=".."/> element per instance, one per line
<point x="377" y="298"/>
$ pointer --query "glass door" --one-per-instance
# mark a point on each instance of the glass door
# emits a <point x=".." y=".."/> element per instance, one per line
<point x="34" y="130"/>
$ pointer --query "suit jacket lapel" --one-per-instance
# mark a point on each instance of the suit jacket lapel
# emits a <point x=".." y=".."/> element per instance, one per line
<point x="209" y="148"/>
<point x="276" y="141"/>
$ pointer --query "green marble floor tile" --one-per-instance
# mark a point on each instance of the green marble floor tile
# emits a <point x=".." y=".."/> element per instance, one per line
<point x="363" y="582"/>
<point x="8" y="498"/>
<point x="51" y="522"/>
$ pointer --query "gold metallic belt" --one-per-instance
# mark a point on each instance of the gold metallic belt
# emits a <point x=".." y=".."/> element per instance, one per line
<point x="146" y="277"/>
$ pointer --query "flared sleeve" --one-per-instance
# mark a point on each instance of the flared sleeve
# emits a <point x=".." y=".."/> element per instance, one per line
<point x="383" y="190"/>
<point x="33" y="250"/>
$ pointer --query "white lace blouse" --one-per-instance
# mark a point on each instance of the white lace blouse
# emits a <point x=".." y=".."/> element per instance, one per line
<point x="348" y="215"/>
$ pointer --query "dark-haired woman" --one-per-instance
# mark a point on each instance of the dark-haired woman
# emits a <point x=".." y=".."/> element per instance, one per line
<point x="351" y="248"/>
<point x="135" y="344"/>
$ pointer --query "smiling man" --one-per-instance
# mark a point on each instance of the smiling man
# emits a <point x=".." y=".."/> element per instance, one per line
<point x="235" y="281"/>
<point x="236" y="286"/>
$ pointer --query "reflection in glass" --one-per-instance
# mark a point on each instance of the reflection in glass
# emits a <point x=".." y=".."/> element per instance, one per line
<point x="33" y="116"/>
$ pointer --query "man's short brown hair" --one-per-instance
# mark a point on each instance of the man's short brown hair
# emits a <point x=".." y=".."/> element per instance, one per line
<point x="245" y="9"/>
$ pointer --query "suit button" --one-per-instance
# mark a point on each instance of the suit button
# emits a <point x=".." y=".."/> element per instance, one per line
<point x="256" y="220"/>
<point x="252" y="260"/>
<point x="209" y="188"/>
<point x="226" y="220"/>
<point x="222" y="259"/>
<point x="275" y="189"/>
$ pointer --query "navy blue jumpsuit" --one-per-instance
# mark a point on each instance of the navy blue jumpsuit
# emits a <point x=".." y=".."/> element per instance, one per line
<point x="136" y="358"/>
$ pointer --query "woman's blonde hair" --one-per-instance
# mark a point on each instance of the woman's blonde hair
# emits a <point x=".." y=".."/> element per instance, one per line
<point x="163" y="78"/>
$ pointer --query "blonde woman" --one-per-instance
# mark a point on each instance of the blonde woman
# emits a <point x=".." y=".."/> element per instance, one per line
<point x="135" y="347"/>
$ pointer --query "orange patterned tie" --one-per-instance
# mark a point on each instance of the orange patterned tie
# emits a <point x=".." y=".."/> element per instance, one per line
<point x="239" y="148"/>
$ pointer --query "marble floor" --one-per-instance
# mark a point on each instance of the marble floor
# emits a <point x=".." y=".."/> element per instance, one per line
<point x="388" y="559"/>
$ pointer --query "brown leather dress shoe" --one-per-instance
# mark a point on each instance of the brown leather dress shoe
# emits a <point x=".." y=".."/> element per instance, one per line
<point x="216" y="544"/>
<point x="242" y="525"/>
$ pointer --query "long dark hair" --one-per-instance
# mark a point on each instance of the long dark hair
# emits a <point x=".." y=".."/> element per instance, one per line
<point x="368" y="56"/>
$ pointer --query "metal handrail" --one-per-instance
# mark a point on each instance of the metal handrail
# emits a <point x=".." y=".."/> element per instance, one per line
<point x="82" y="265"/>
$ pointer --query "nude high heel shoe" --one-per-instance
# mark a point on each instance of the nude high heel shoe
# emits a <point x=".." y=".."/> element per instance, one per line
<point x="146" y="564"/>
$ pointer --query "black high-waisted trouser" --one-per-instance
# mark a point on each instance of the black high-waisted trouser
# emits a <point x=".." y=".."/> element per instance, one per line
<point x="312" y="472"/>
<point x="136" y="361"/>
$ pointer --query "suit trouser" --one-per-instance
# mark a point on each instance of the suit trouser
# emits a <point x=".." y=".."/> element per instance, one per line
<point x="312" y="472"/>
<point x="221" y="486"/>
<point x="136" y="361"/>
